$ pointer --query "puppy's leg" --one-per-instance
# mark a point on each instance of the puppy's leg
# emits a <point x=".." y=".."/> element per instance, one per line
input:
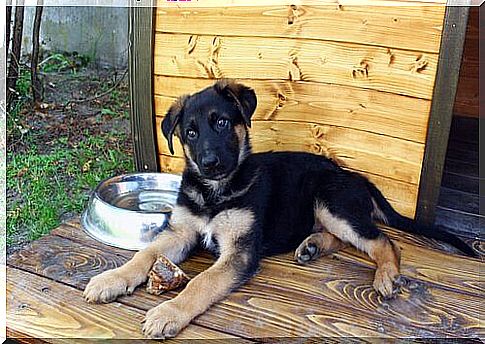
<point x="375" y="243"/>
<point x="175" y="243"/>
<point x="237" y="262"/>
<point x="317" y="245"/>
<point x="169" y="318"/>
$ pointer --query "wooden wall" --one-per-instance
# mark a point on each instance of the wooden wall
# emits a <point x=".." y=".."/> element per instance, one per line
<point x="349" y="81"/>
<point x="467" y="95"/>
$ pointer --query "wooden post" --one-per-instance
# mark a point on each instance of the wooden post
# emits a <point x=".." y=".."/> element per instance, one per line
<point x="451" y="50"/>
<point x="141" y="85"/>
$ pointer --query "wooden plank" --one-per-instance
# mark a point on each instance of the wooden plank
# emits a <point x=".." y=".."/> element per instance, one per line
<point x="461" y="168"/>
<point x="460" y="182"/>
<point x="140" y="76"/>
<point x="452" y="274"/>
<point x="239" y="3"/>
<point x="401" y="195"/>
<point x="405" y="27"/>
<point x="350" y="107"/>
<point x="467" y="96"/>
<point x="263" y="307"/>
<point x="461" y="146"/>
<point x="431" y="244"/>
<point x="463" y="224"/>
<point x="460" y="153"/>
<point x="397" y="71"/>
<point x="40" y="307"/>
<point x="461" y="201"/>
<point x="441" y="112"/>
<point x="357" y="150"/>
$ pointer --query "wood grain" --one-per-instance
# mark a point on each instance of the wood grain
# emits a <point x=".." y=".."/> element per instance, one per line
<point x="406" y="27"/>
<point x="460" y="201"/>
<point x="461" y="223"/>
<point x="467" y="94"/>
<point x="40" y="307"/>
<point x="460" y="182"/>
<point x="397" y="71"/>
<point x="451" y="271"/>
<point x="350" y="107"/>
<point x="360" y="151"/>
<point x="320" y="299"/>
<point x="248" y="3"/>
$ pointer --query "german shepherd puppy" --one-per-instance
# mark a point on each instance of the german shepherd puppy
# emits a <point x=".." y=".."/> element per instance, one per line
<point x="245" y="206"/>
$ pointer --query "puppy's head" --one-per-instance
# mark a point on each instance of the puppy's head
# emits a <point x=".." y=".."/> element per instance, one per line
<point x="212" y="127"/>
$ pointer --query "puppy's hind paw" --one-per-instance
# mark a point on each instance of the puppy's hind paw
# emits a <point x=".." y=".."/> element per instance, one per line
<point x="388" y="282"/>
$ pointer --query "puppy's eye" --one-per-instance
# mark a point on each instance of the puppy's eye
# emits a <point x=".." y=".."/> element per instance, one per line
<point x="191" y="134"/>
<point x="222" y="123"/>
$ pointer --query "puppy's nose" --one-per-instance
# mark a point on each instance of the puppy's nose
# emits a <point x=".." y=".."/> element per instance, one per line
<point x="210" y="161"/>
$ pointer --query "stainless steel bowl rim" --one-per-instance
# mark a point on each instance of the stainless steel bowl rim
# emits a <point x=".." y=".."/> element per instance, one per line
<point x="121" y="177"/>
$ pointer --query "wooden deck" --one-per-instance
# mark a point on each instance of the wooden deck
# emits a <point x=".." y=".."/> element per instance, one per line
<point x="459" y="202"/>
<point x="331" y="297"/>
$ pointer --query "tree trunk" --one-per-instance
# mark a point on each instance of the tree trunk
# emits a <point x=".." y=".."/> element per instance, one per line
<point x="8" y="23"/>
<point x="36" y="84"/>
<point x="13" y="70"/>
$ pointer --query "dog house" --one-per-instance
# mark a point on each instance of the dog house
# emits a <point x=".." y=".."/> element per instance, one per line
<point x="371" y="85"/>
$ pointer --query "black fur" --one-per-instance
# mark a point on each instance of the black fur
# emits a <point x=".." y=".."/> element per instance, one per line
<point x="280" y="189"/>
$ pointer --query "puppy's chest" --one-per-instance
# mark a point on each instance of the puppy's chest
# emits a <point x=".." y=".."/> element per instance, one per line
<point x="208" y="239"/>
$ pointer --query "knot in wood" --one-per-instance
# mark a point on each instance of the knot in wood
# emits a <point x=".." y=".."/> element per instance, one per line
<point x="295" y="71"/>
<point x="317" y="132"/>
<point x="420" y="64"/>
<point x="213" y="69"/>
<point x="281" y="100"/>
<point x="192" y="43"/>
<point x="361" y="71"/>
<point x="293" y="14"/>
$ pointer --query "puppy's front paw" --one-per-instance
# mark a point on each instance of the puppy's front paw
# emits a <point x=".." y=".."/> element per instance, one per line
<point x="165" y="321"/>
<point x="106" y="287"/>
<point x="388" y="281"/>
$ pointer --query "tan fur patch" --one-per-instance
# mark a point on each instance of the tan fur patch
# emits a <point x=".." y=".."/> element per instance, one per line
<point x="216" y="282"/>
<point x="381" y="250"/>
<point x="188" y="155"/>
<point x="338" y="227"/>
<point x="325" y="242"/>
<point x="229" y="225"/>
<point x="241" y="137"/>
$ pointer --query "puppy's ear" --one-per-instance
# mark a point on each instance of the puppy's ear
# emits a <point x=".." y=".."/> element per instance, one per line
<point x="243" y="96"/>
<point x="171" y="120"/>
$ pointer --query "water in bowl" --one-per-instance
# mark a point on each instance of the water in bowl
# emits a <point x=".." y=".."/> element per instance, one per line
<point x="158" y="201"/>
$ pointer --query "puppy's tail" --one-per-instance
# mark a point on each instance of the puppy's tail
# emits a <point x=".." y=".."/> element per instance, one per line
<point x="385" y="213"/>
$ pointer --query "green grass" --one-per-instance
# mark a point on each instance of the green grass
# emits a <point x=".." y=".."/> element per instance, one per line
<point x="49" y="185"/>
<point x="45" y="183"/>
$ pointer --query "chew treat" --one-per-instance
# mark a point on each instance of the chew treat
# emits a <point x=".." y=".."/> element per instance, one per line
<point x="165" y="276"/>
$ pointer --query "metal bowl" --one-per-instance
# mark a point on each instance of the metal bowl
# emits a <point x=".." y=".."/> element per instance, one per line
<point x="128" y="211"/>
